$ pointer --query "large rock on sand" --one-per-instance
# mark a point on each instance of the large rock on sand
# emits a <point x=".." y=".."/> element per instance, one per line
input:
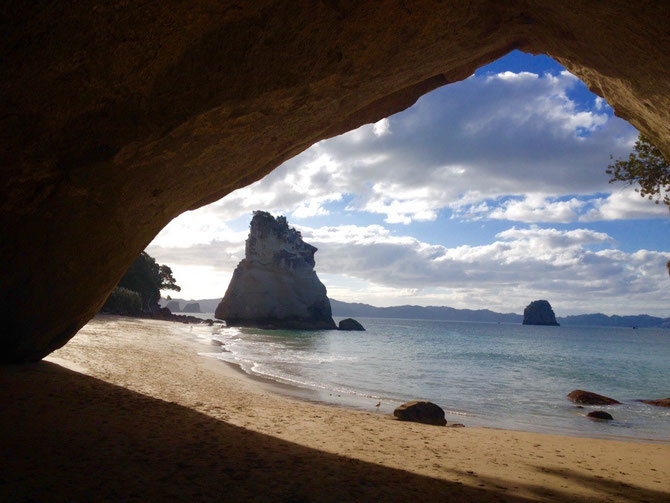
<point x="590" y="398"/>
<point x="539" y="312"/>
<point x="421" y="412"/>
<point x="275" y="285"/>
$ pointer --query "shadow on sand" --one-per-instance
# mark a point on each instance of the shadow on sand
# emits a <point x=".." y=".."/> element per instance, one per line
<point x="69" y="437"/>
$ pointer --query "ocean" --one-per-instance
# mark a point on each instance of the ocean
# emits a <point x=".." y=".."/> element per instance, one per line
<point x="482" y="374"/>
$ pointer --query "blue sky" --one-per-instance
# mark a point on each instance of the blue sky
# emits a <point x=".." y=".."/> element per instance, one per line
<point x="487" y="193"/>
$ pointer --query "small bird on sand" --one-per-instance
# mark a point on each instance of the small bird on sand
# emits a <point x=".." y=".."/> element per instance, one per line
<point x="378" y="403"/>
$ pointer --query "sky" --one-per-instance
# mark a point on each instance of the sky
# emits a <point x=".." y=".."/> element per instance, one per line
<point x="487" y="193"/>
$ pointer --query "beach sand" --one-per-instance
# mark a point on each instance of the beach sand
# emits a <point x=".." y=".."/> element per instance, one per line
<point x="127" y="410"/>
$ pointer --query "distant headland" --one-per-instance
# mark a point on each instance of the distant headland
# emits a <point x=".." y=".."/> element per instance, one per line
<point x="359" y="310"/>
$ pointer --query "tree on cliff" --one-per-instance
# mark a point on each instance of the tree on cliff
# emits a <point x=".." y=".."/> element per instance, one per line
<point x="647" y="167"/>
<point x="148" y="278"/>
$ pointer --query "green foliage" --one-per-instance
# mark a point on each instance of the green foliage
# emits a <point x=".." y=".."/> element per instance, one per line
<point x="148" y="278"/>
<point x="167" y="279"/>
<point x="123" y="301"/>
<point x="647" y="167"/>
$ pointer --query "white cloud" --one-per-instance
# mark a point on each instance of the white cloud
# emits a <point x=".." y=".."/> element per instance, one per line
<point x="478" y="140"/>
<point x="381" y="127"/>
<point x="538" y="208"/>
<point x="624" y="204"/>
<point x="521" y="264"/>
<point x="195" y="227"/>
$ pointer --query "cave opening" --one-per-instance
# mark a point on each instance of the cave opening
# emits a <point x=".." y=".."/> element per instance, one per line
<point x="464" y="200"/>
<point x="108" y="138"/>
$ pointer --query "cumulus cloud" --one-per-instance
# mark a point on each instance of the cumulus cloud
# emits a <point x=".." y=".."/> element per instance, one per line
<point x="622" y="205"/>
<point x="510" y="134"/>
<point x="381" y="127"/>
<point x="538" y="208"/>
<point x="521" y="264"/>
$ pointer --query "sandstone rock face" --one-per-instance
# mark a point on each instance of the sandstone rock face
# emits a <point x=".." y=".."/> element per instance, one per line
<point x="193" y="307"/>
<point x="350" y="324"/>
<point x="421" y="412"/>
<point x="539" y="312"/>
<point x="590" y="398"/>
<point x="600" y="414"/>
<point x="663" y="402"/>
<point x="275" y="285"/>
<point x="117" y="117"/>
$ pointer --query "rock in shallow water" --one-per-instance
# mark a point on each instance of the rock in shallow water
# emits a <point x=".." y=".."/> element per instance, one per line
<point x="275" y="285"/>
<point x="600" y="414"/>
<point x="350" y="324"/>
<point x="590" y="398"/>
<point x="193" y="307"/>
<point x="421" y="412"/>
<point x="663" y="402"/>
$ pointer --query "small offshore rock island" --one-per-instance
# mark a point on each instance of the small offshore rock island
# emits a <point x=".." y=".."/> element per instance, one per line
<point x="539" y="312"/>
<point x="275" y="285"/>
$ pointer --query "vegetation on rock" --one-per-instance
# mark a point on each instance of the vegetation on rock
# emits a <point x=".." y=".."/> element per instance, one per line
<point x="146" y="278"/>
<point x="123" y="301"/>
<point x="647" y="167"/>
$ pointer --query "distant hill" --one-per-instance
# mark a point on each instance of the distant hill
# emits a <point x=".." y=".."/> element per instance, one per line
<point x="206" y="305"/>
<point x="599" y="319"/>
<point x="357" y="309"/>
<point x="353" y="310"/>
<point x="421" y="313"/>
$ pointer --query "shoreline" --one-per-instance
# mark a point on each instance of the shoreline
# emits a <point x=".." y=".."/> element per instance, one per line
<point x="294" y="392"/>
<point x="161" y="404"/>
<point x="353" y="400"/>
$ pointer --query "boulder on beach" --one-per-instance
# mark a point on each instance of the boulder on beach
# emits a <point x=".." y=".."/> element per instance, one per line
<point x="421" y="412"/>
<point x="275" y="285"/>
<point x="663" y="402"/>
<point x="350" y="324"/>
<point x="590" y="398"/>
<point x="600" y="414"/>
<point x="539" y="312"/>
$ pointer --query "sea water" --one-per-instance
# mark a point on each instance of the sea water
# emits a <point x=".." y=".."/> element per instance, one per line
<point x="483" y="374"/>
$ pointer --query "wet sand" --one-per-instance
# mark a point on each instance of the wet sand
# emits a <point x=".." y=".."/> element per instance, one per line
<point x="128" y="411"/>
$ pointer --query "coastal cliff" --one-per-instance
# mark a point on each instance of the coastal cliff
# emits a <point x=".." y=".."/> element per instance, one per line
<point x="275" y="285"/>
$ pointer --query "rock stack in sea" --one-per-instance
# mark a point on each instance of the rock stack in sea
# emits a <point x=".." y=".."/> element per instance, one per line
<point x="539" y="312"/>
<point x="275" y="285"/>
<point x="193" y="307"/>
<point x="173" y="306"/>
<point x="350" y="324"/>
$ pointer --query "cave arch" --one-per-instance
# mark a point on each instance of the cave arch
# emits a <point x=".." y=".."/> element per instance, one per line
<point x="115" y="119"/>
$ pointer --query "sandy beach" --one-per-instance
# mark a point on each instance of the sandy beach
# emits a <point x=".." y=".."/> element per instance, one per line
<point x="128" y="410"/>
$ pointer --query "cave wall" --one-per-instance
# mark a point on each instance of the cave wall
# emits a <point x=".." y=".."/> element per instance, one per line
<point x="117" y="116"/>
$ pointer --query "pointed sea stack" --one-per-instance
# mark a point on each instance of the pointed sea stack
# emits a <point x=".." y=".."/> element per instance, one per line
<point x="275" y="285"/>
<point x="539" y="312"/>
